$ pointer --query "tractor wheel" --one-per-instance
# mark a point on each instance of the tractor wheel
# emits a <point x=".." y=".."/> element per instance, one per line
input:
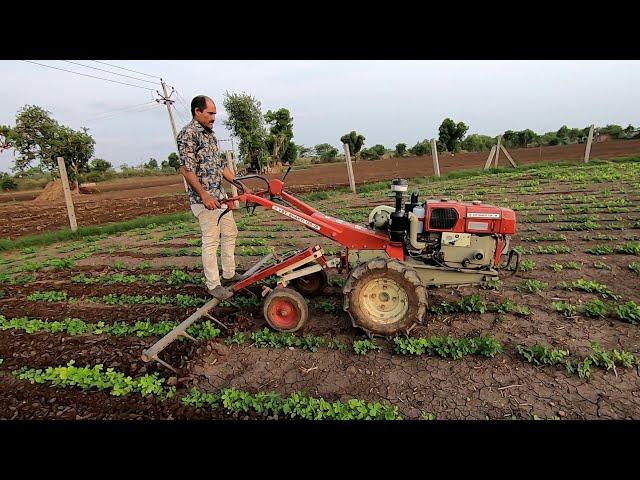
<point x="311" y="285"/>
<point x="384" y="297"/>
<point x="285" y="310"/>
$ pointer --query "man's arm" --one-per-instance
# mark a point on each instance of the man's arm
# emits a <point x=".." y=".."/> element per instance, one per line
<point x="207" y="199"/>
<point x="228" y="176"/>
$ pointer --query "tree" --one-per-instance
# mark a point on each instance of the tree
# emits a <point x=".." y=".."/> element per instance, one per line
<point x="374" y="152"/>
<point x="152" y="164"/>
<point x="99" y="165"/>
<point x="280" y="134"/>
<point x="247" y="123"/>
<point x="477" y="143"/>
<point x="37" y="136"/>
<point x="326" y="152"/>
<point x="421" y="148"/>
<point x="355" y="142"/>
<point x="451" y="134"/>
<point x="290" y="153"/>
<point x="401" y="149"/>
<point x="614" y="131"/>
<point x="305" y="151"/>
<point x="174" y="160"/>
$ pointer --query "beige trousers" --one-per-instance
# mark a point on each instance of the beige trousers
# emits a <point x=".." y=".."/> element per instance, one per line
<point x="213" y="235"/>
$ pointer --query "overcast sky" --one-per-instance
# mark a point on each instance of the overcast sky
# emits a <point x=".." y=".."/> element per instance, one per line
<point x="388" y="101"/>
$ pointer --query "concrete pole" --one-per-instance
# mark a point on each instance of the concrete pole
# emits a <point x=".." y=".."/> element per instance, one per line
<point x="232" y="166"/>
<point x="168" y="102"/>
<point x="587" y="150"/>
<point x="434" y="156"/>
<point x="347" y="156"/>
<point x="67" y="194"/>
<point x="487" y="164"/>
<point x="495" y="164"/>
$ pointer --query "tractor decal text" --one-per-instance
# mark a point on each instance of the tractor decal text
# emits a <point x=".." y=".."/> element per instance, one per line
<point x="295" y="217"/>
<point x="483" y="215"/>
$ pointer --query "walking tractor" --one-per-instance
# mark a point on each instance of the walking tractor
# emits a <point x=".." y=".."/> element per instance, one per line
<point x="388" y="263"/>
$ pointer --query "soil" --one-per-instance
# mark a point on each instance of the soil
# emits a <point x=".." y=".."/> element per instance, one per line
<point x="473" y="387"/>
<point x="126" y="199"/>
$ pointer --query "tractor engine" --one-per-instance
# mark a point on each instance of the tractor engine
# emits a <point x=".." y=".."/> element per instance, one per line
<point x="445" y="233"/>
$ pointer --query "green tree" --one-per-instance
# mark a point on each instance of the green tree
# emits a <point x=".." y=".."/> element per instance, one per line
<point x="615" y="131"/>
<point x="305" y="151"/>
<point x="174" y="160"/>
<point x="6" y="182"/>
<point x="36" y="136"/>
<point x="478" y="143"/>
<point x="401" y="149"/>
<point x="355" y="142"/>
<point x="280" y="134"/>
<point x="326" y="152"/>
<point x="99" y="165"/>
<point x="152" y="164"/>
<point x="451" y="134"/>
<point x="374" y="152"/>
<point x="247" y="123"/>
<point x="421" y="148"/>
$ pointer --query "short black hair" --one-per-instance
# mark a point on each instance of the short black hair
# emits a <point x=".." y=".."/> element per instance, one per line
<point x="199" y="102"/>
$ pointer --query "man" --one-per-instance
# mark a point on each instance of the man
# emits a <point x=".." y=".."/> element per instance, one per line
<point x="203" y="168"/>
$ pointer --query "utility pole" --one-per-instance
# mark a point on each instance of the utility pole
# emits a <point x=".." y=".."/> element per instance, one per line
<point x="168" y="102"/>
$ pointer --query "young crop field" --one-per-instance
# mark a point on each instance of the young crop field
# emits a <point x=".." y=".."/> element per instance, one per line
<point x="559" y="339"/>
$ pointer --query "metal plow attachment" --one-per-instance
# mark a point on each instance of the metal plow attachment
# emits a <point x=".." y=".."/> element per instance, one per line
<point x="152" y="352"/>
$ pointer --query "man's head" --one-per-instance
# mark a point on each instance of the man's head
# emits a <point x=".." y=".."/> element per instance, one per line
<point x="203" y="110"/>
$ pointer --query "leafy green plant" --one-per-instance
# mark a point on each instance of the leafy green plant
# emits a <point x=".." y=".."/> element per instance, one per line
<point x="635" y="267"/>
<point x="601" y="266"/>
<point x="591" y="286"/>
<point x="527" y="265"/>
<point x="532" y="286"/>
<point x="631" y="248"/>
<point x="493" y="284"/>
<point x="595" y="309"/>
<point x="237" y="339"/>
<point x="266" y="338"/>
<point x="628" y="311"/>
<point x="94" y="377"/>
<point x="600" y="250"/>
<point x="556" y="267"/>
<point x="573" y="266"/>
<point x="542" y="354"/>
<point x="447" y="347"/>
<point x="48" y="296"/>
<point x="566" y="309"/>
<point x="362" y="347"/>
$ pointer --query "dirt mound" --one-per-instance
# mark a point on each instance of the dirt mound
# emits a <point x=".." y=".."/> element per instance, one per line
<point x="54" y="192"/>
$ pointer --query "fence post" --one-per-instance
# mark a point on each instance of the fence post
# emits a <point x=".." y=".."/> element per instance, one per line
<point x="495" y="164"/>
<point x="67" y="194"/>
<point x="487" y="164"/>
<point x="232" y="166"/>
<point x="587" y="150"/>
<point x="434" y="155"/>
<point x="513" y="163"/>
<point x="347" y="156"/>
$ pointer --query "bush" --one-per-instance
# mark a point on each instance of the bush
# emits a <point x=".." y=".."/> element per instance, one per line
<point x="8" y="183"/>
<point x="421" y="148"/>
<point x="401" y="149"/>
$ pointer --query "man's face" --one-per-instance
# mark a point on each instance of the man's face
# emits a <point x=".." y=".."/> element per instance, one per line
<point x="207" y="116"/>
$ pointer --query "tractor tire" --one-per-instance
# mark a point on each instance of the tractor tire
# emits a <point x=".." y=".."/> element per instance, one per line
<point x="384" y="297"/>
<point x="311" y="285"/>
<point x="285" y="310"/>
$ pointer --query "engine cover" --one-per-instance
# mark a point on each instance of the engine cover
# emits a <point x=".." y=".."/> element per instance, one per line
<point x="452" y="216"/>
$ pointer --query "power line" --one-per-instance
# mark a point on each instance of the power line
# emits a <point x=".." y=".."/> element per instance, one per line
<point x="127" y="69"/>
<point x="87" y="75"/>
<point x="144" y="109"/>
<point x="108" y="71"/>
<point x="107" y="112"/>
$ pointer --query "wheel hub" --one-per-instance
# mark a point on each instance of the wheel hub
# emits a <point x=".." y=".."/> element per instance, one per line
<point x="283" y="314"/>
<point x="384" y="300"/>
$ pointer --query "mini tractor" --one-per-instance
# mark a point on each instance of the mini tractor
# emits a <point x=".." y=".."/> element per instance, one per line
<point x="388" y="263"/>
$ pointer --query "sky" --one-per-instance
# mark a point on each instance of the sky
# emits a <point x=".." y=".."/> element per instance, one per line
<point x="388" y="101"/>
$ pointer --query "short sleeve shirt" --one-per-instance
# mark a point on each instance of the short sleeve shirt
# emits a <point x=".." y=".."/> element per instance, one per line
<point x="198" y="151"/>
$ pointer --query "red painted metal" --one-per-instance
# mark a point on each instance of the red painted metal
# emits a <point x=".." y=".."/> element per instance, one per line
<point x="283" y="314"/>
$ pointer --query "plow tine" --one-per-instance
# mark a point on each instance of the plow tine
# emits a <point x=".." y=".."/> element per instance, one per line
<point x="186" y="335"/>
<point x="257" y="266"/>
<point x="217" y="321"/>
<point x="152" y="352"/>
<point x="162" y="362"/>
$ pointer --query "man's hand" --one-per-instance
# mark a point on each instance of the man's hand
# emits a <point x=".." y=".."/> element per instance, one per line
<point x="209" y="201"/>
